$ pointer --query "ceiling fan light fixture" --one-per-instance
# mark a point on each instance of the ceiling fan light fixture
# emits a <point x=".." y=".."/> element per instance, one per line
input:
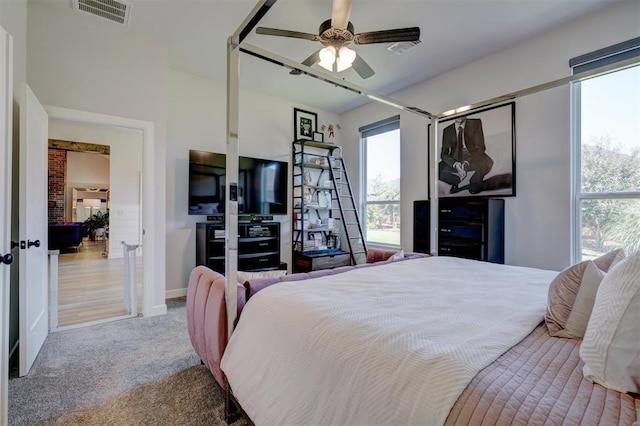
<point x="327" y="57"/>
<point x="346" y="57"/>
<point x="335" y="34"/>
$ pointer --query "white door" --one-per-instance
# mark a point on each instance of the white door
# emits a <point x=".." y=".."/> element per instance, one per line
<point x="34" y="326"/>
<point x="6" y="108"/>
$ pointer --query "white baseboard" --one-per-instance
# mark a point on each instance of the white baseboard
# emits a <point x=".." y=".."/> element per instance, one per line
<point x="157" y="310"/>
<point x="171" y="294"/>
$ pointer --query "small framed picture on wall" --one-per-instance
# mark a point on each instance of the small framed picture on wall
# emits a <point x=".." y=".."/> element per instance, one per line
<point x="304" y="124"/>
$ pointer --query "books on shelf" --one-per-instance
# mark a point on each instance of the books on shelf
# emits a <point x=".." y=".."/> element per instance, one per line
<point x="300" y="220"/>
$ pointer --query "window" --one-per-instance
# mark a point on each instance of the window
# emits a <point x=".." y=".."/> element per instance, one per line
<point x="381" y="182"/>
<point x="607" y="159"/>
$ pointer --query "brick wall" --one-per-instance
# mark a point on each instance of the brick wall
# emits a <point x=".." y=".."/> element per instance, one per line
<point x="57" y="183"/>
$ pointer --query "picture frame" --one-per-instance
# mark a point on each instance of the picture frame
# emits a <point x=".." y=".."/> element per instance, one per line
<point x="318" y="136"/>
<point x="486" y="165"/>
<point x="304" y="124"/>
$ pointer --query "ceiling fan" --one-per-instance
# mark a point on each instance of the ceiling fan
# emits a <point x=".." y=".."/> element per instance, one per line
<point x="336" y="34"/>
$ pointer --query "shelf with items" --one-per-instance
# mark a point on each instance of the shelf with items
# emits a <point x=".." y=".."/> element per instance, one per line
<point x="319" y="145"/>
<point x="315" y="237"/>
<point x="320" y="229"/>
<point x="320" y="189"/>
<point x="314" y="166"/>
<point x="314" y="225"/>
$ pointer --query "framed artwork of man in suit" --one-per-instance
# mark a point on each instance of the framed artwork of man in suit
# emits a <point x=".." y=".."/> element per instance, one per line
<point x="477" y="153"/>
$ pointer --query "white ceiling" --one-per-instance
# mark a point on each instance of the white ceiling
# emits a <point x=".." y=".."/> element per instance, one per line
<point x="453" y="32"/>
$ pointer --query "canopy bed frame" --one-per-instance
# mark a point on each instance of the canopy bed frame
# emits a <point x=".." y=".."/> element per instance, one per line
<point x="236" y="44"/>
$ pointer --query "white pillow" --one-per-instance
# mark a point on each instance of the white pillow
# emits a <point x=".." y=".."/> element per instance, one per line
<point x="610" y="349"/>
<point x="246" y="276"/>
<point x="399" y="255"/>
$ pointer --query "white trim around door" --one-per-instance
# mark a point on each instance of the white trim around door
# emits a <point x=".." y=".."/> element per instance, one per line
<point x="6" y="136"/>
<point x="149" y="268"/>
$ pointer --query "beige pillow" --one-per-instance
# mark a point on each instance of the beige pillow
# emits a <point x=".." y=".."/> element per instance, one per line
<point x="583" y="304"/>
<point x="607" y="261"/>
<point x="564" y="289"/>
<point x="246" y="276"/>
<point x="611" y="346"/>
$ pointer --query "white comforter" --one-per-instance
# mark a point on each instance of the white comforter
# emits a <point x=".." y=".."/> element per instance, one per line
<point x="390" y="344"/>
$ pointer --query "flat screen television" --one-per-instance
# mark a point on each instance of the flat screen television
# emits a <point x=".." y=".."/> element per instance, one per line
<point x="262" y="184"/>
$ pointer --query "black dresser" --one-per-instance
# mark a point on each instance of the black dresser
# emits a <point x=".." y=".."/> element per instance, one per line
<point x="421" y="231"/>
<point x="258" y="246"/>
<point x="471" y="228"/>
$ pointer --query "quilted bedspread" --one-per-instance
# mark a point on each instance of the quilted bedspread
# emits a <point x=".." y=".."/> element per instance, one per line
<point x="539" y="381"/>
<point x="392" y="344"/>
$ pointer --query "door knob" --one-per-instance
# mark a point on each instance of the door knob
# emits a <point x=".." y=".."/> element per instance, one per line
<point x="7" y="259"/>
<point x="33" y="243"/>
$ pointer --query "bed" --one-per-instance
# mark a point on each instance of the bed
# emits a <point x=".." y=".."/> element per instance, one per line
<point x="426" y="341"/>
<point x="207" y="310"/>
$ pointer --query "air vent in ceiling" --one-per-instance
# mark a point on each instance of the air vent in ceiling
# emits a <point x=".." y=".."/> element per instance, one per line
<point x="116" y="11"/>
<point x="402" y="46"/>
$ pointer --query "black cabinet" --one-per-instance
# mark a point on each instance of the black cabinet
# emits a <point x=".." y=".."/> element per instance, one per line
<point x="258" y="246"/>
<point x="421" y="232"/>
<point x="472" y="228"/>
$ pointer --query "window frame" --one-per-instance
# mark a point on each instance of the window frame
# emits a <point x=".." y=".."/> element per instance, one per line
<point x="373" y="129"/>
<point x="590" y="61"/>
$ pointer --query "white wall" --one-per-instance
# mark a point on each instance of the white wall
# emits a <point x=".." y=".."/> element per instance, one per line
<point x="93" y="65"/>
<point x="87" y="64"/>
<point x="90" y="65"/>
<point x="87" y="169"/>
<point x="538" y="219"/>
<point x="13" y="18"/>
<point x="124" y="167"/>
<point x="196" y="119"/>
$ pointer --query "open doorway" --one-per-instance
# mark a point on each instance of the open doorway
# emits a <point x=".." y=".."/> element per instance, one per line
<point x="95" y="200"/>
<point x="153" y="262"/>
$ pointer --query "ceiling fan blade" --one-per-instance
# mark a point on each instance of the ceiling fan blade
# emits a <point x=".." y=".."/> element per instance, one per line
<point x="310" y="61"/>
<point x="286" y="33"/>
<point x="340" y="12"/>
<point x="388" y="36"/>
<point x="362" y="68"/>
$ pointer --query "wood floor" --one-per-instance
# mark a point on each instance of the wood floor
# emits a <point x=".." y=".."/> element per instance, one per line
<point x="91" y="287"/>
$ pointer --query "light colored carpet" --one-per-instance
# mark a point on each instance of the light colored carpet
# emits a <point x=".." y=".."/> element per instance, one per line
<point x="141" y="371"/>
<point x="190" y="397"/>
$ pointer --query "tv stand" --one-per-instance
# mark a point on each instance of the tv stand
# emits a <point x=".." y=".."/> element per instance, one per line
<point x="258" y="246"/>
